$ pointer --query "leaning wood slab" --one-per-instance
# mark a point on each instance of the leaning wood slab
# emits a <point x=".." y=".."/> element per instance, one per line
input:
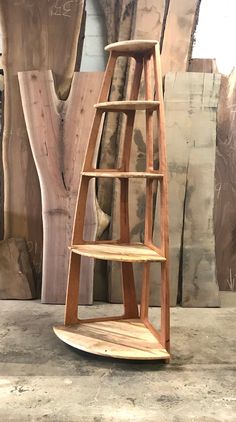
<point x="16" y="275"/>
<point x="225" y="184"/>
<point x="119" y="16"/>
<point x="58" y="133"/>
<point x="191" y="103"/>
<point x="173" y="23"/>
<point x="147" y="26"/>
<point x="179" y="31"/>
<point x="32" y="39"/>
<point x="124" y="339"/>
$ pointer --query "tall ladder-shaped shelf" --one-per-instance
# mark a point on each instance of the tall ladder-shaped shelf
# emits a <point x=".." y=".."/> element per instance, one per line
<point x="131" y="335"/>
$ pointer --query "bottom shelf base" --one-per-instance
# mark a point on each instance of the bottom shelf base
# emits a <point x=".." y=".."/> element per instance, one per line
<point x="123" y="339"/>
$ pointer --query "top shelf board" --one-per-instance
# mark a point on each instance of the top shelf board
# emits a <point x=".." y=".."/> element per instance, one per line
<point x="128" y="105"/>
<point x="132" y="46"/>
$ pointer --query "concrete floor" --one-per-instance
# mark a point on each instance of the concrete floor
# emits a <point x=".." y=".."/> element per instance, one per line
<point x="43" y="379"/>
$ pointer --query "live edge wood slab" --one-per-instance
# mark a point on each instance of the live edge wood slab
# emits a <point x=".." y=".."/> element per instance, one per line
<point x="36" y="35"/>
<point x="58" y="133"/>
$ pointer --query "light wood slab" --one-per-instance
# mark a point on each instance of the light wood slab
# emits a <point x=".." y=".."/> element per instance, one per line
<point x="125" y="339"/>
<point x="125" y="253"/>
<point x="190" y="103"/>
<point x="58" y="133"/>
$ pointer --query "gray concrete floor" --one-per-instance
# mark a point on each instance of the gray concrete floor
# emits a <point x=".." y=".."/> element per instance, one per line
<point x="43" y="379"/>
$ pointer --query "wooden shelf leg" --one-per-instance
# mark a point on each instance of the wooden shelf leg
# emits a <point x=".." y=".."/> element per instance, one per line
<point x="129" y="293"/>
<point x="71" y="313"/>
<point x="165" y="310"/>
<point x="144" y="304"/>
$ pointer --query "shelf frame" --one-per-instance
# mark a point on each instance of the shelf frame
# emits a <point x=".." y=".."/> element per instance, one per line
<point x="146" y="55"/>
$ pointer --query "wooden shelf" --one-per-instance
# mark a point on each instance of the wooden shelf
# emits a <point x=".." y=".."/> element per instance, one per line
<point x="136" y="252"/>
<point x="130" y="336"/>
<point x="136" y="46"/>
<point x="127" y="105"/>
<point x="122" y="174"/>
<point x="124" y="339"/>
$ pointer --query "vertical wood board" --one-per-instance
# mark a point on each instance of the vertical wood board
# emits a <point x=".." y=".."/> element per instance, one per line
<point x="191" y="104"/>
<point x="225" y="185"/>
<point x="58" y="132"/>
<point x="179" y="29"/>
<point x="148" y="25"/>
<point x="36" y="35"/>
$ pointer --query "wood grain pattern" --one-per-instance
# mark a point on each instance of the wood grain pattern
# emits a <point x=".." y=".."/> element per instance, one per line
<point x="190" y="102"/>
<point x="58" y="133"/>
<point x="225" y="187"/>
<point x="127" y="253"/>
<point x="179" y="29"/>
<point x="16" y="275"/>
<point x="32" y="39"/>
<point x="125" y="339"/>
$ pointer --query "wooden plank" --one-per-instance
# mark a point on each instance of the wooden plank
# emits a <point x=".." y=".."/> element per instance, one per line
<point x="118" y="252"/>
<point x="225" y="187"/>
<point x="190" y="101"/>
<point x="224" y="213"/>
<point x="32" y="39"/>
<point x="126" y="339"/>
<point x="16" y="275"/>
<point x="58" y="133"/>
<point x="179" y="29"/>
<point x="148" y="25"/>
